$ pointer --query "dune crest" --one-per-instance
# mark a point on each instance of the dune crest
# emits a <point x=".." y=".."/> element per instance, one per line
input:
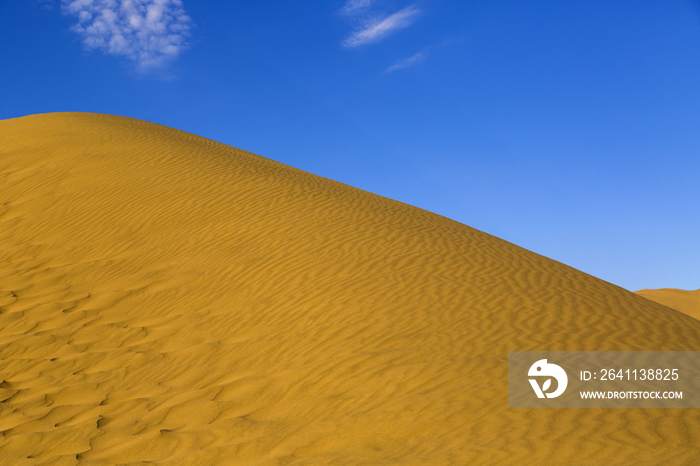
<point x="169" y="300"/>
<point x="686" y="301"/>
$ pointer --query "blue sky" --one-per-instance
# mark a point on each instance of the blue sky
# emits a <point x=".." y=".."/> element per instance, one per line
<point x="569" y="128"/>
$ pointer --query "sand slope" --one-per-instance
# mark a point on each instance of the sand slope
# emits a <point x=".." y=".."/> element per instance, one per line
<point x="169" y="300"/>
<point x="685" y="301"/>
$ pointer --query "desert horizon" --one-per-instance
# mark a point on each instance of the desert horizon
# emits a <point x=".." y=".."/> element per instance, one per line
<point x="349" y="233"/>
<point x="686" y="301"/>
<point x="167" y="299"/>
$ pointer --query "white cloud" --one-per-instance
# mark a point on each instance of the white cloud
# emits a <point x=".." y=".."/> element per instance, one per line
<point x="353" y="7"/>
<point x="148" y="32"/>
<point x="46" y="4"/>
<point x="406" y="62"/>
<point x="377" y="29"/>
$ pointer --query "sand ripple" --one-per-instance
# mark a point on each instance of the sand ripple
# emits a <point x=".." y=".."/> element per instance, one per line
<point x="168" y="300"/>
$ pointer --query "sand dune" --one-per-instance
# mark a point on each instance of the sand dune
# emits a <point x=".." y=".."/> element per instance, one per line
<point x="685" y="301"/>
<point x="168" y="300"/>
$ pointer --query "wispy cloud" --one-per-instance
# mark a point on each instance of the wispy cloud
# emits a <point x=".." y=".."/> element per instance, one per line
<point x="353" y="7"/>
<point x="148" y="32"/>
<point x="410" y="61"/>
<point x="46" y="4"/>
<point x="376" y="29"/>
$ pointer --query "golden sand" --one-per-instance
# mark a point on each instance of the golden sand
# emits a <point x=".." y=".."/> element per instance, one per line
<point x="685" y="301"/>
<point x="168" y="300"/>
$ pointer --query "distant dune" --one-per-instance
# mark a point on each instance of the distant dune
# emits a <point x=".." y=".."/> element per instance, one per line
<point x="168" y="300"/>
<point x="685" y="301"/>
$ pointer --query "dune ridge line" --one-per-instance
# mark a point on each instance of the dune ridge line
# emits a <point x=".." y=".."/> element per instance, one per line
<point x="169" y="300"/>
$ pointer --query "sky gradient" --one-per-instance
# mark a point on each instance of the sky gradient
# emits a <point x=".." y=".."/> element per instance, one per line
<point x="569" y="128"/>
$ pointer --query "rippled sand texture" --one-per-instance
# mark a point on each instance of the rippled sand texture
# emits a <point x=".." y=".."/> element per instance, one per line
<point x="168" y="300"/>
<point x="685" y="301"/>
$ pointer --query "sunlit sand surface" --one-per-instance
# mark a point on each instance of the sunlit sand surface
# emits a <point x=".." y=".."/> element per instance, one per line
<point x="168" y="300"/>
<point x="685" y="301"/>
